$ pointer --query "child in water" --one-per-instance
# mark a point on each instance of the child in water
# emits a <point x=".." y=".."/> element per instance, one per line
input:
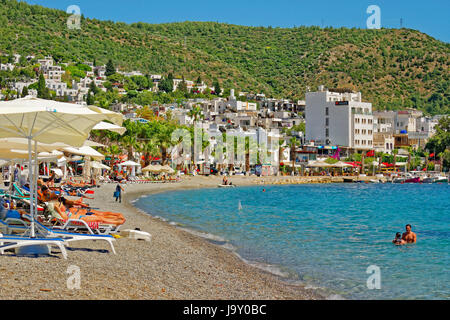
<point x="398" y="239"/>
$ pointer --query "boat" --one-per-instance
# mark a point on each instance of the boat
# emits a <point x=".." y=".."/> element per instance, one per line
<point x="399" y="180"/>
<point x="428" y="179"/>
<point x="412" y="180"/>
<point x="348" y="180"/>
<point x="441" y="180"/>
<point x="226" y="185"/>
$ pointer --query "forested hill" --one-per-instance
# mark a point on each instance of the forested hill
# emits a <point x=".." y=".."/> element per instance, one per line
<point x="394" y="68"/>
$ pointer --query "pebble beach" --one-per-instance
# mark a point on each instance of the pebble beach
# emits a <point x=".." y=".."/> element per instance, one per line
<point x="174" y="265"/>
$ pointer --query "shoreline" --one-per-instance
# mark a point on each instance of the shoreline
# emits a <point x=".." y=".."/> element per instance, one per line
<point x="175" y="265"/>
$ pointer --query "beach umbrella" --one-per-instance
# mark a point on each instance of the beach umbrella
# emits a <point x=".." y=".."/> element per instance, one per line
<point x="318" y="164"/>
<point x="47" y="121"/>
<point x="111" y="127"/>
<point x="129" y="163"/>
<point x="89" y="143"/>
<point x="167" y="169"/>
<point x="153" y="168"/>
<point x="98" y="165"/>
<point x="85" y="151"/>
<point x="341" y="164"/>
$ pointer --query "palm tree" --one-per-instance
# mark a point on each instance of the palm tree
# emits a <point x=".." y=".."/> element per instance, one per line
<point x="379" y="155"/>
<point x="410" y="150"/>
<point x="196" y="113"/>
<point x="149" y="148"/>
<point x="395" y="152"/>
<point x="164" y="140"/>
<point x="280" y="153"/>
<point x="293" y="145"/>
<point x="130" y="143"/>
<point x="427" y="155"/>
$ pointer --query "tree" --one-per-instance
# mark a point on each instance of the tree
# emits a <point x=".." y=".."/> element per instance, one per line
<point x="182" y="87"/>
<point x="166" y="85"/>
<point x="293" y="146"/>
<point x="43" y="91"/>
<point x="440" y="141"/>
<point x="216" y="86"/>
<point x="110" y="69"/>
<point x="24" y="91"/>
<point x="196" y="113"/>
<point x="93" y="88"/>
<point x="90" y="100"/>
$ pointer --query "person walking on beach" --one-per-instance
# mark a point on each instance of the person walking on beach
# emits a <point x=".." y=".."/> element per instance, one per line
<point x="409" y="236"/>
<point x="16" y="173"/>
<point x="118" y="193"/>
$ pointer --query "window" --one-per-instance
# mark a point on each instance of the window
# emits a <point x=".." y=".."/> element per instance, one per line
<point x="327" y="121"/>
<point x="326" y="111"/>
<point x="327" y="132"/>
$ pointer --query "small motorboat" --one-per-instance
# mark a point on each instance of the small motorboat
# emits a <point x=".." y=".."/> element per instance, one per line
<point x="412" y="180"/>
<point x="226" y="186"/>
<point x="441" y="180"/>
<point x="399" y="180"/>
<point x="428" y="180"/>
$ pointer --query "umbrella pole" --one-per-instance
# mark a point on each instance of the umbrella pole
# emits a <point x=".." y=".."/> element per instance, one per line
<point x="36" y="175"/>
<point x="31" y="180"/>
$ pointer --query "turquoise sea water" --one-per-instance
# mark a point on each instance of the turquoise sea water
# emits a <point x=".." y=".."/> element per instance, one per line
<point x="328" y="235"/>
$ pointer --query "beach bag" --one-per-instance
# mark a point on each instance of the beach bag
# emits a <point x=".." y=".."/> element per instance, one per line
<point x="116" y="194"/>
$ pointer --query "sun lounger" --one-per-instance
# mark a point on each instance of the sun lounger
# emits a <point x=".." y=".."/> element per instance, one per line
<point x="12" y="242"/>
<point x="72" y="236"/>
<point x="83" y="226"/>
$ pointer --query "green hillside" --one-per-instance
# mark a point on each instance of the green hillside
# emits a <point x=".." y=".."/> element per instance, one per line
<point x="393" y="68"/>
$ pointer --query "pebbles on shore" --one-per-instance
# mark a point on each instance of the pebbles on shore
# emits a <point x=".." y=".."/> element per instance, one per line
<point x="174" y="265"/>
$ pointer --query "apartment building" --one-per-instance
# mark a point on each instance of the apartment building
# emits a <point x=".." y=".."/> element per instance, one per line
<point x="339" y="117"/>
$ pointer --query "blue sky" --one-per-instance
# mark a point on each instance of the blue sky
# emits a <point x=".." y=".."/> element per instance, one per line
<point x="429" y="16"/>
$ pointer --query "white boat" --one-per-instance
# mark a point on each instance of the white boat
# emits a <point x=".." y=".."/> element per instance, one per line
<point x="226" y="186"/>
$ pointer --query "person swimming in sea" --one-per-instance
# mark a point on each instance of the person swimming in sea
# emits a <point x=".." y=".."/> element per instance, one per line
<point x="398" y="239"/>
<point x="409" y="236"/>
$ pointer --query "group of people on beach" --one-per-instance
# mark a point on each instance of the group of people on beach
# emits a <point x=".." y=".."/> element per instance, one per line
<point x="407" y="237"/>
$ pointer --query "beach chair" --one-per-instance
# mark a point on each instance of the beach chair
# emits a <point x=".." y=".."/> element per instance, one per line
<point x="68" y="237"/>
<point x="8" y="242"/>
<point x="78" y="225"/>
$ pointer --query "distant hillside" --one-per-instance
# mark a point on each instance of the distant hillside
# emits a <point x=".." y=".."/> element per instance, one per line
<point x="393" y="68"/>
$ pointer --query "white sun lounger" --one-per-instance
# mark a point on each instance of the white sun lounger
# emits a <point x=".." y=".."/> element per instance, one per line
<point x="55" y="232"/>
<point x="72" y="236"/>
<point x="12" y="242"/>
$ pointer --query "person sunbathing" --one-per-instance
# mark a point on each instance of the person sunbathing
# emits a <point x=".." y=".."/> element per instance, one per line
<point x="45" y="195"/>
<point x="73" y="203"/>
<point x="86" y="215"/>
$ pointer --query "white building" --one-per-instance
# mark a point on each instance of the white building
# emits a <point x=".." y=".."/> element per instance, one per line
<point x="238" y="106"/>
<point x="339" y="117"/>
<point x="7" y="67"/>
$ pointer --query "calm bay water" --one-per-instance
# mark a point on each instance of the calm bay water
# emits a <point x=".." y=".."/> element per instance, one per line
<point x="328" y="235"/>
